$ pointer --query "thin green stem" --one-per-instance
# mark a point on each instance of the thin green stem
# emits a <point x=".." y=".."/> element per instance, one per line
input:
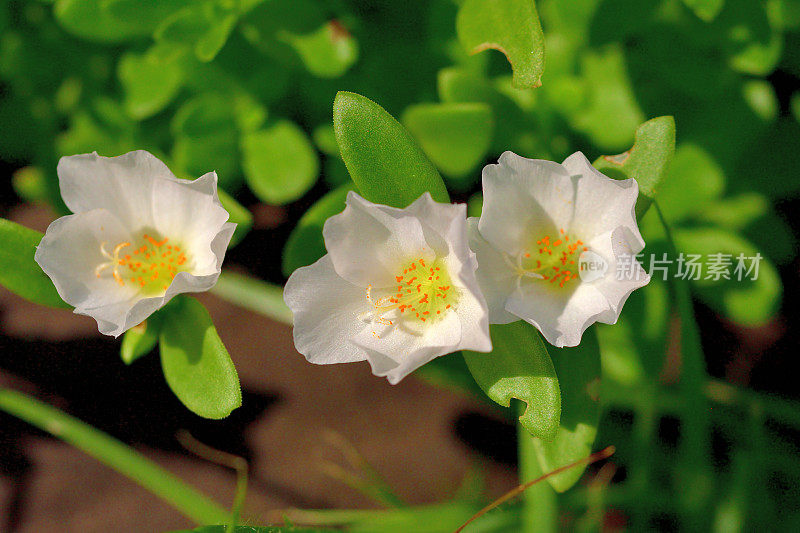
<point x="253" y="294"/>
<point x="114" y="454"/>
<point x="695" y="446"/>
<point x="540" y="502"/>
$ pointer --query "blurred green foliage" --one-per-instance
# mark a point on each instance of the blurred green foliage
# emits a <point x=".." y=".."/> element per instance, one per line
<point x="246" y="88"/>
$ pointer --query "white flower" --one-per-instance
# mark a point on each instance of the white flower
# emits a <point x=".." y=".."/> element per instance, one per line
<point x="138" y="237"/>
<point x="550" y="243"/>
<point x="397" y="288"/>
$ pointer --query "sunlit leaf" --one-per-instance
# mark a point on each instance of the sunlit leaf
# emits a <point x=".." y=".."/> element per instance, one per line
<point x="139" y="340"/>
<point x="760" y="96"/>
<point x="510" y="26"/>
<point x="203" y="26"/>
<point x="692" y="181"/>
<point x="19" y="273"/>
<point x="196" y="364"/>
<point x="610" y="113"/>
<point x="326" y="52"/>
<point x="280" y="164"/>
<point x="305" y="244"/>
<point x="754" y="38"/>
<point x="387" y="166"/>
<point x="455" y="136"/>
<point x="92" y="19"/>
<point x="647" y="161"/>
<point x="150" y="81"/>
<point x="735" y="213"/>
<point x="30" y="184"/>
<point x="707" y="10"/>
<point x="519" y="367"/>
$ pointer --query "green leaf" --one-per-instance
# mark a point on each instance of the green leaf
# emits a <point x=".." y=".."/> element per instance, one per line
<point x="280" y="163"/>
<point x="611" y="111"/>
<point x="748" y="302"/>
<point x="211" y="42"/>
<point x="761" y="97"/>
<point x="326" y="52"/>
<point x="754" y="36"/>
<point x="240" y="216"/>
<point x="150" y="81"/>
<point x="19" y="273"/>
<point x="139" y="340"/>
<point x="30" y="184"/>
<point x="203" y="26"/>
<point x="206" y="135"/>
<point x="693" y="180"/>
<point x="706" y="10"/>
<point x="455" y="136"/>
<point x="578" y="371"/>
<point x="91" y="19"/>
<point x="647" y="161"/>
<point x="520" y="367"/>
<point x="510" y="26"/>
<point x="387" y="166"/>
<point x="737" y="212"/>
<point x="196" y="364"/>
<point x="325" y="140"/>
<point x="305" y="244"/>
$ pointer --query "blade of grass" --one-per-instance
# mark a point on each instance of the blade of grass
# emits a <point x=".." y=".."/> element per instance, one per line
<point x="116" y="455"/>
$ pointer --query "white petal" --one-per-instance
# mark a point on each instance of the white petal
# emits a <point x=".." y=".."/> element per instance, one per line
<point x="447" y="223"/>
<point x="189" y="212"/>
<point x="522" y="199"/>
<point x="69" y="254"/>
<point x="194" y="282"/>
<point x="71" y="250"/>
<point x="442" y="224"/>
<point x="326" y="312"/>
<point x="368" y="243"/>
<point x="561" y="315"/>
<point x="496" y="279"/>
<point x="123" y="184"/>
<point x="601" y="204"/>
<point x="616" y="247"/>
<point x="408" y="350"/>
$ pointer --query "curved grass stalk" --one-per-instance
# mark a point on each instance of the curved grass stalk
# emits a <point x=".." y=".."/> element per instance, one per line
<point x="115" y="454"/>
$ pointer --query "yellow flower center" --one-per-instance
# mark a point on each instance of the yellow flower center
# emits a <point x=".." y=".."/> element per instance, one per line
<point x="424" y="292"/>
<point x="150" y="263"/>
<point x="551" y="260"/>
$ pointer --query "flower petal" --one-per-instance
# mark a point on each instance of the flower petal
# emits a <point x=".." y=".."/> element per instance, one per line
<point x="70" y="251"/>
<point x="624" y="275"/>
<point x="408" y="350"/>
<point x="176" y="205"/>
<point x="496" y="279"/>
<point x="326" y="312"/>
<point x="123" y="184"/>
<point x="561" y="315"/>
<point x="368" y="243"/>
<point x="601" y="204"/>
<point x="524" y="198"/>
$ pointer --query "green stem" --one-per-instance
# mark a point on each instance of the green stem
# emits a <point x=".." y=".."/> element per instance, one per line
<point x="540" y="502"/>
<point x="695" y="446"/>
<point x="114" y="454"/>
<point x="253" y="294"/>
